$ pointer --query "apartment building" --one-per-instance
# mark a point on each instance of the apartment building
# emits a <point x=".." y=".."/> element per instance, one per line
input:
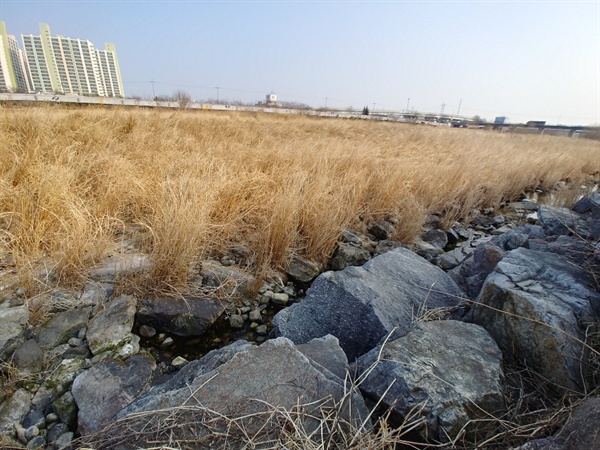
<point x="14" y="76"/>
<point x="63" y="65"/>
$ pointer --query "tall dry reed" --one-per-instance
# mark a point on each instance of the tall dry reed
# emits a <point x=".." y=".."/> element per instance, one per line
<point x="75" y="183"/>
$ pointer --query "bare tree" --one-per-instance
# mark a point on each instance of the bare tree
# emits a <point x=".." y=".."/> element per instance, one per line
<point x="183" y="98"/>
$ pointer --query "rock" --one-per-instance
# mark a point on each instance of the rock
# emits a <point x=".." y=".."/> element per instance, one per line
<point x="349" y="255"/>
<point x="56" y="431"/>
<point x="111" y="328"/>
<point x="119" y="264"/>
<point x="66" y="409"/>
<point x="28" y="358"/>
<point x="38" y="442"/>
<point x="228" y="281"/>
<point x="239" y="388"/>
<point x="327" y="352"/>
<point x="108" y="387"/>
<point x="354" y="237"/>
<point x="11" y="332"/>
<point x="31" y="432"/>
<point x="58" y="382"/>
<point x="531" y="305"/>
<point x="437" y="238"/>
<point x="451" y="259"/>
<point x="14" y="409"/>
<point x="381" y="230"/>
<point x="302" y="269"/>
<point x="95" y="294"/>
<point x="183" y="316"/>
<point x="581" y="430"/>
<point x="387" y="245"/>
<point x="472" y="273"/>
<point x="148" y="332"/>
<point x="35" y="418"/>
<point x="255" y="316"/>
<point x="179" y="362"/>
<point x="280" y="299"/>
<point x="499" y="220"/>
<point x="427" y="250"/>
<point x="261" y="330"/>
<point x="561" y="221"/>
<point x="450" y="369"/>
<point x="360" y="305"/>
<point x="64" y="440"/>
<point x="236" y="321"/>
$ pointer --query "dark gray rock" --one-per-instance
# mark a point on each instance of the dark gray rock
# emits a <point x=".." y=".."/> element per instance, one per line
<point x="275" y="373"/>
<point x="531" y="305"/>
<point x="108" y="387"/>
<point x="56" y="431"/>
<point x="427" y="250"/>
<point x="28" y="358"/>
<point x="327" y="352"/>
<point x="302" y="269"/>
<point x="381" y="229"/>
<point x="451" y="369"/>
<point x="38" y="442"/>
<point x="36" y="418"/>
<point x="62" y="327"/>
<point x="183" y="316"/>
<point x="588" y="204"/>
<point x="451" y="259"/>
<point x="360" y="305"/>
<point x="561" y="221"/>
<point x="64" y="440"/>
<point x="471" y="275"/>
<point x="349" y="255"/>
<point x="437" y="238"/>
<point x="110" y="329"/>
<point x="236" y="322"/>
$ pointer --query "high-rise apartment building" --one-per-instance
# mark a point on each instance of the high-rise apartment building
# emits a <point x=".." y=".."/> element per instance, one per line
<point x="14" y="76"/>
<point x="72" y="66"/>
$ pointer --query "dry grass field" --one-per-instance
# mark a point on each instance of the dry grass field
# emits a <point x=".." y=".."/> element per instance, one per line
<point x="78" y="183"/>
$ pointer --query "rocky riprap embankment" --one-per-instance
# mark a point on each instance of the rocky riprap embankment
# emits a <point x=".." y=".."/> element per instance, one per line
<point x="429" y="328"/>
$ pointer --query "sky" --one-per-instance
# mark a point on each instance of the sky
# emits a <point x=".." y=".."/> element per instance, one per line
<point x="526" y="60"/>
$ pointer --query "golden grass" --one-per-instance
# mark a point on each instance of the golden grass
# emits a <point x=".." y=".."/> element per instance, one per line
<point x="75" y="183"/>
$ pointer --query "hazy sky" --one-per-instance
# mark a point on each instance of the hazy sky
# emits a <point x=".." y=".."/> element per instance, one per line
<point x="527" y="60"/>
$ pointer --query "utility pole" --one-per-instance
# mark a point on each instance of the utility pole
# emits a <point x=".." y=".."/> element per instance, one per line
<point x="458" y="110"/>
<point x="374" y="106"/>
<point x="153" y="93"/>
<point x="217" y="88"/>
<point x="407" y="104"/>
<point x="443" y="106"/>
<point x="326" y="102"/>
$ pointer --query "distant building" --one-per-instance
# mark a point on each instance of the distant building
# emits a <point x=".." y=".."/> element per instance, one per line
<point x="272" y="100"/>
<point x="14" y="76"/>
<point x="63" y="65"/>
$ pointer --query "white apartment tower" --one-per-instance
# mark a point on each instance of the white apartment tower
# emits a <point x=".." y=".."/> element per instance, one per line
<point x="14" y="76"/>
<point x="72" y="66"/>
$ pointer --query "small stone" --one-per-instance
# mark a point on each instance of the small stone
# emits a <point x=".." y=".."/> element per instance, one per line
<point x="236" y="322"/>
<point x="51" y="418"/>
<point x="161" y="337"/>
<point x="64" y="440"/>
<point x="253" y="326"/>
<point x="255" y="316"/>
<point x="280" y="299"/>
<point x="31" y="432"/>
<point x="146" y="331"/>
<point x="36" y="442"/>
<point x="20" y="431"/>
<point x="167" y="343"/>
<point x="179" y="362"/>
<point x="499" y="219"/>
<point x="245" y="310"/>
<point x="56" y="431"/>
<point x="75" y="342"/>
<point x="81" y="333"/>
<point x="261" y="330"/>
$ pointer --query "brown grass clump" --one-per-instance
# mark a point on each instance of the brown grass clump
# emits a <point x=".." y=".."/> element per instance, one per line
<point x="76" y="183"/>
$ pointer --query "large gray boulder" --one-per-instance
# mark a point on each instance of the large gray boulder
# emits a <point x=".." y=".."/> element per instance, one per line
<point x="183" y="316"/>
<point x="532" y="305"/>
<point x="250" y="386"/>
<point x="327" y="352"/>
<point x="360" y="305"/>
<point x="561" y="221"/>
<point x="450" y="369"/>
<point x="108" y="387"/>
<point x="62" y="327"/>
<point x="110" y="329"/>
<point x="12" y="323"/>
